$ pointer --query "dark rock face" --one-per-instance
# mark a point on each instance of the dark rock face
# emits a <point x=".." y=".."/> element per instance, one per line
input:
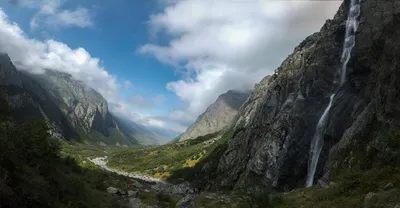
<point x="218" y="115"/>
<point x="71" y="109"/>
<point x="281" y="115"/>
<point x="30" y="100"/>
<point x="84" y="107"/>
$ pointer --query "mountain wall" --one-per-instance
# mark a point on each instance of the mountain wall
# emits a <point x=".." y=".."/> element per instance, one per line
<point x="217" y="116"/>
<point x="30" y="100"/>
<point x="85" y="108"/>
<point x="73" y="110"/>
<point x="275" y="126"/>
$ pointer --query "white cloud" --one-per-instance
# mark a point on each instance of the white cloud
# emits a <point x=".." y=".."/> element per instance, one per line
<point x="229" y="44"/>
<point x="34" y="56"/>
<point x="50" y="14"/>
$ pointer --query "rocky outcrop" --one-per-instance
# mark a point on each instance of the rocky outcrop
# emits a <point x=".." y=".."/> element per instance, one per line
<point x="30" y="100"/>
<point x="278" y="120"/>
<point x="72" y="109"/>
<point x="186" y="202"/>
<point x="218" y="115"/>
<point x="85" y="108"/>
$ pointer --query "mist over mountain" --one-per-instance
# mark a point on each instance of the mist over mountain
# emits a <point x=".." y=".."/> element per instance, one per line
<point x="74" y="110"/>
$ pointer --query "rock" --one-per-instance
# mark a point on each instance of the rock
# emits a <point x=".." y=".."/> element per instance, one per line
<point x="136" y="184"/>
<point x="397" y="206"/>
<point x="72" y="109"/>
<point x="275" y="126"/>
<point x="217" y="116"/>
<point x="370" y="199"/>
<point x="322" y="184"/>
<point x="112" y="190"/>
<point x="135" y="203"/>
<point x="147" y="190"/>
<point x="122" y="192"/>
<point x="133" y="193"/>
<point x="186" y="202"/>
<point x="388" y="186"/>
<point x="176" y="190"/>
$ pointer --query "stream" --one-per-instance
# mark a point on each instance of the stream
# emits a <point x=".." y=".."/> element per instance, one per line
<point x="102" y="162"/>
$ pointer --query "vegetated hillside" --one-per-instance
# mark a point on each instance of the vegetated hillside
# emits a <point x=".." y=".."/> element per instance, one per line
<point x="33" y="174"/>
<point x="218" y="115"/>
<point x="137" y="132"/>
<point x="162" y="161"/>
<point x="73" y="110"/>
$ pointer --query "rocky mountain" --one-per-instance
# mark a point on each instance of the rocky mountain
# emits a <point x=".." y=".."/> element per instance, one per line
<point x="275" y="127"/>
<point x="30" y="100"/>
<point x="85" y="108"/>
<point x="74" y="111"/>
<point x="217" y="116"/>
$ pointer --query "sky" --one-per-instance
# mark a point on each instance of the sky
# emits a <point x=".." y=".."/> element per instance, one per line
<point x="159" y="63"/>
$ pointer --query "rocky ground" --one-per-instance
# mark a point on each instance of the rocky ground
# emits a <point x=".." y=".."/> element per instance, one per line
<point x="152" y="192"/>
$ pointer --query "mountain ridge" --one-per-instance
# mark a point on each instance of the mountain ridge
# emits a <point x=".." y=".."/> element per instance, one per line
<point x="77" y="111"/>
<point x="217" y="116"/>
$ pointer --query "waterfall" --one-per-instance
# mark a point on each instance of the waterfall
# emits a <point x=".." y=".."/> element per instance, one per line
<point x="318" y="138"/>
<point x="317" y="143"/>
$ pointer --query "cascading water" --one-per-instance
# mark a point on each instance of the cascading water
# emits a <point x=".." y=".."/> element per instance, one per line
<point x="318" y="138"/>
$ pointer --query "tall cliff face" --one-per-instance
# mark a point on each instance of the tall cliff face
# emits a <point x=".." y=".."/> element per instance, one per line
<point x="277" y="123"/>
<point x="30" y="100"/>
<point x="85" y="108"/>
<point x="218" y="115"/>
<point x="72" y="110"/>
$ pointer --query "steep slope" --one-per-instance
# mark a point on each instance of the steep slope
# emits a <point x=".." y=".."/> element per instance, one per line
<point x="136" y="132"/>
<point x="85" y="108"/>
<point x="217" y="116"/>
<point x="277" y="123"/>
<point x="73" y="110"/>
<point x="30" y="100"/>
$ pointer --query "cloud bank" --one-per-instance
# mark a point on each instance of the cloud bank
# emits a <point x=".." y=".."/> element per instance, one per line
<point x="50" y="14"/>
<point x="35" y="56"/>
<point x="229" y="44"/>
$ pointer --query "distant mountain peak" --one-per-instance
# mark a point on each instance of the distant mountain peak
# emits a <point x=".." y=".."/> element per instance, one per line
<point x="218" y="115"/>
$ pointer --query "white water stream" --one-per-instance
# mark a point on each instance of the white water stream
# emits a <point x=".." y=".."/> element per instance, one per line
<point x="318" y="138"/>
<point x="102" y="162"/>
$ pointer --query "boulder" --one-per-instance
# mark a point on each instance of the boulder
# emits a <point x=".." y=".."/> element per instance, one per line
<point x="133" y="193"/>
<point x="388" y="186"/>
<point x="112" y="190"/>
<point x="135" y="203"/>
<point x="370" y="199"/>
<point x="136" y="184"/>
<point x="186" y="202"/>
<point x="121" y="192"/>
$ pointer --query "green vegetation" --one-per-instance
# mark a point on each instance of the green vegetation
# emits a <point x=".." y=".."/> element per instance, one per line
<point x="162" y="200"/>
<point x="348" y="191"/>
<point x="33" y="172"/>
<point x="161" y="161"/>
<point x="376" y="163"/>
<point x="200" y="176"/>
<point x="176" y="139"/>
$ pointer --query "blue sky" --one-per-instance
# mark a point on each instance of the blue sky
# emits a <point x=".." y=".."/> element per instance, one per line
<point x="160" y="63"/>
<point x="120" y="27"/>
